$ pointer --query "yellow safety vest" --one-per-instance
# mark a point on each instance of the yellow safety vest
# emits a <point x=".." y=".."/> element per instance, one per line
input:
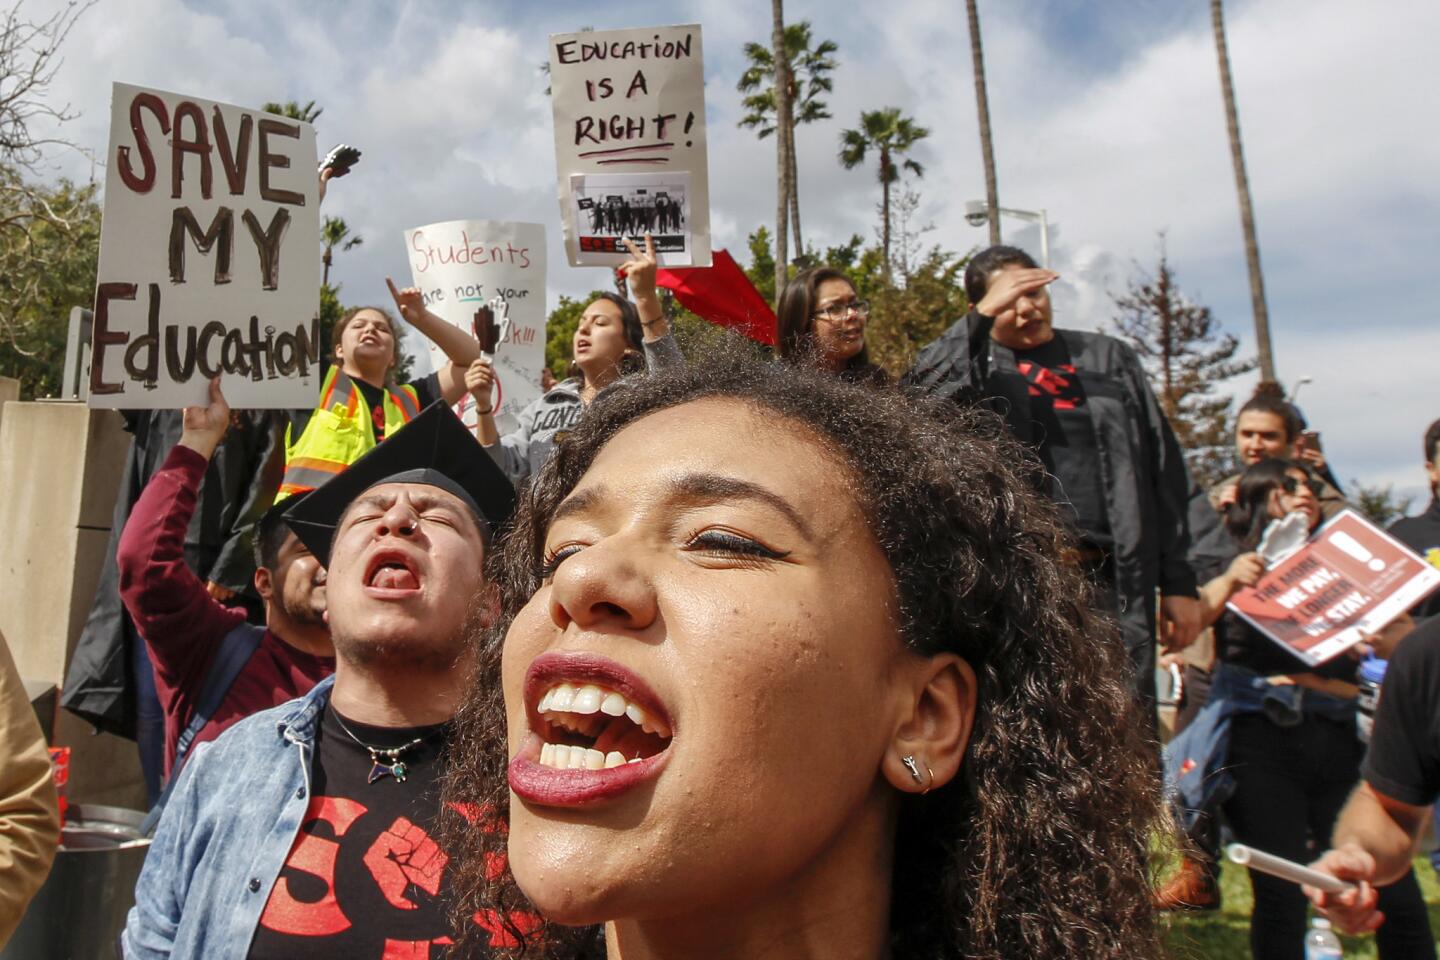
<point x="340" y="432"/>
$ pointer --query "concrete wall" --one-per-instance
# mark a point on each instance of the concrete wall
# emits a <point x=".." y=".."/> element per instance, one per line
<point x="60" y="467"/>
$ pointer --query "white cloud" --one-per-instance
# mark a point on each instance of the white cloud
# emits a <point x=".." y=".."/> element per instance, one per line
<point x="1115" y="128"/>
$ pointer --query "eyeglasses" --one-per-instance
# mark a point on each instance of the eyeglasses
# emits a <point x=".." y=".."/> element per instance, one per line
<point x="837" y="312"/>
<point x="1292" y="485"/>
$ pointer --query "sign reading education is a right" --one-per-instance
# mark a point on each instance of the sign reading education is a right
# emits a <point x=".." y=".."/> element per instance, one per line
<point x="630" y="144"/>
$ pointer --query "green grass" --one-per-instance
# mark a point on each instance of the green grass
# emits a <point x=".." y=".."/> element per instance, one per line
<point x="1225" y="933"/>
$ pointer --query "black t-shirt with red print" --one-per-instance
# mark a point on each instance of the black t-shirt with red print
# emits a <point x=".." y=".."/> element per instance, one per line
<point x="1065" y="436"/>
<point x="365" y="880"/>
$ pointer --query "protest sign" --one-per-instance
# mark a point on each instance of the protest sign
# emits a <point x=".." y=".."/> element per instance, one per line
<point x="209" y="256"/>
<point x="459" y="266"/>
<point x="1351" y="579"/>
<point x="630" y="143"/>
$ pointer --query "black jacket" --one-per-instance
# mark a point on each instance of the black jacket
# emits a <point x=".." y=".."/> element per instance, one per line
<point x="1148" y="489"/>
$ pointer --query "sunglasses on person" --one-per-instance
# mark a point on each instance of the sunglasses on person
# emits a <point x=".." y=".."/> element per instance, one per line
<point x="837" y="312"/>
<point x="1292" y="485"/>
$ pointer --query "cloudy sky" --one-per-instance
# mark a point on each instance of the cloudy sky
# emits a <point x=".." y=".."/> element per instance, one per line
<point x="1107" y="115"/>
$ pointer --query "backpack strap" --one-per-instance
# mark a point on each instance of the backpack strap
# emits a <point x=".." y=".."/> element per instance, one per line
<point x="236" y="649"/>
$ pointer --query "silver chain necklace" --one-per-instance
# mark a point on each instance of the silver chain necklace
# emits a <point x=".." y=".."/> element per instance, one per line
<point x="386" y="760"/>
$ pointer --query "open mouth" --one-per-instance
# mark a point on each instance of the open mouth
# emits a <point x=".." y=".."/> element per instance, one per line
<point x="392" y="570"/>
<point x="596" y="732"/>
<point x="590" y="727"/>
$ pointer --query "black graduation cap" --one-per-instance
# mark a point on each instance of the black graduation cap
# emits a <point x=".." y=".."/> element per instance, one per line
<point x="435" y="449"/>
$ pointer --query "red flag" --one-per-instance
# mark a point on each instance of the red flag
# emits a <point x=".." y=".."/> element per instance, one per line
<point x="723" y="295"/>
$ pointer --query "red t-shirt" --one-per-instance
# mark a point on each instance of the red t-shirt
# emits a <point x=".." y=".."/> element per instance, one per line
<point x="182" y="625"/>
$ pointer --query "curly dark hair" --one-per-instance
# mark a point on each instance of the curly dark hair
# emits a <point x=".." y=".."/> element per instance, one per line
<point x="1038" y="846"/>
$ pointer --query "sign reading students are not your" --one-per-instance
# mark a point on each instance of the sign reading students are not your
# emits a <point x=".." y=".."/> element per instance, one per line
<point x="209" y="256"/>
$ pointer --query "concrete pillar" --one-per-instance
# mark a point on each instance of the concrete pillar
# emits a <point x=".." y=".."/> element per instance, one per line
<point x="9" y="390"/>
<point x="60" y="467"/>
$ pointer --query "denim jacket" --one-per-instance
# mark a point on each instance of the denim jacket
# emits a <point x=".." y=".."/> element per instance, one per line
<point x="1197" y="775"/>
<point x="224" y="837"/>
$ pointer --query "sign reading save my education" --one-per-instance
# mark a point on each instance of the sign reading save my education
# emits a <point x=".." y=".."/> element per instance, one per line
<point x="1350" y="580"/>
<point x="209" y="256"/>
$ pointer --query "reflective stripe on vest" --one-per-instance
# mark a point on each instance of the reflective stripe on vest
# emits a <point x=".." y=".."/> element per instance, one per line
<point x="320" y="453"/>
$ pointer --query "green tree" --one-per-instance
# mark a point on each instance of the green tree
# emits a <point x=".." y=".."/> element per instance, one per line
<point x="1379" y="503"/>
<point x="1186" y="357"/>
<point x="290" y="109"/>
<point x="809" y="73"/>
<point x="44" y="272"/>
<point x="335" y="232"/>
<point x="890" y="135"/>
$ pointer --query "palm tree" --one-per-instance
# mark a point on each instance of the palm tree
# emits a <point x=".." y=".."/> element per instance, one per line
<point x="891" y="136"/>
<point x="982" y="110"/>
<point x="1247" y="212"/>
<point x="294" y="111"/>
<point x="335" y="232"/>
<point x="784" y="139"/>
<point x="809" y="79"/>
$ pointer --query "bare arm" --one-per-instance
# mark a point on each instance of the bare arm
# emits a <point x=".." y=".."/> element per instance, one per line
<point x="1375" y="841"/>
<point x="455" y="343"/>
<point x="640" y="270"/>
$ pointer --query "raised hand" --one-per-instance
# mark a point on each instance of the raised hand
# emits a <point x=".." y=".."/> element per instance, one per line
<point x="409" y="301"/>
<point x="1007" y="286"/>
<point x="202" y="428"/>
<point x="479" y="379"/>
<point x="640" y="269"/>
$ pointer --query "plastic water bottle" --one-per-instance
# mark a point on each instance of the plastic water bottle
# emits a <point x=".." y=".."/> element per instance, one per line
<point x="1370" y="676"/>
<point x="1320" y="942"/>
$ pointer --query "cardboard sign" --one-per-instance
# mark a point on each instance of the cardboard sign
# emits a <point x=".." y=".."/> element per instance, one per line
<point x="1351" y="579"/>
<point x="461" y="265"/>
<point x="209" y="256"/>
<point x="630" y="144"/>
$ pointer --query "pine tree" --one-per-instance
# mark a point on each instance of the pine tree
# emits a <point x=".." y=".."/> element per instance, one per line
<point x="1186" y="357"/>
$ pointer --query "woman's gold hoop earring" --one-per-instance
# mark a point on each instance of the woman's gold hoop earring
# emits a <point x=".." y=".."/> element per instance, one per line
<point x="914" y="769"/>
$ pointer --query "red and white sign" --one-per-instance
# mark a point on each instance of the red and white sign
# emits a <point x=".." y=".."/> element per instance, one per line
<point x="1350" y="580"/>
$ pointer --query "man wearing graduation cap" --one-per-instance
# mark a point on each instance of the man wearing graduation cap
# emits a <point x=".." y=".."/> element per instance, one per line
<point x="305" y="830"/>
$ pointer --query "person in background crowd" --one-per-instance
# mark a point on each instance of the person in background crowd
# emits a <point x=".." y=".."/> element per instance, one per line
<point x="110" y="682"/>
<point x="1286" y="735"/>
<point x="1269" y="427"/>
<point x="305" y="830"/>
<point x="1422" y="533"/>
<point x="193" y="640"/>
<point x="1080" y="401"/>
<point x="360" y="405"/>
<point x="869" y="712"/>
<point x="821" y="321"/>
<point x="615" y="338"/>
<point x="1379" y="830"/>
<point x="29" y="822"/>
<point x="547" y="380"/>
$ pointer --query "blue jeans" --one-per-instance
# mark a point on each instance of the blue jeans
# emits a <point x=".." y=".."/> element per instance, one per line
<point x="149" y="718"/>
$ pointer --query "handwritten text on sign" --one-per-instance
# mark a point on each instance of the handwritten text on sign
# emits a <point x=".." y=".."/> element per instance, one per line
<point x="209" y="256"/>
<point x="460" y="266"/>
<point x="630" y="105"/>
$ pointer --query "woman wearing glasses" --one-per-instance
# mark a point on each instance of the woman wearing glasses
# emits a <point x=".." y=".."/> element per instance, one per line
<point x="822" y="324"/>
<point x="1293" y="752"/>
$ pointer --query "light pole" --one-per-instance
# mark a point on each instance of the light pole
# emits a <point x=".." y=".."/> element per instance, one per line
<point x="977" y="214"/>
<point x="1295" y="390"/>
